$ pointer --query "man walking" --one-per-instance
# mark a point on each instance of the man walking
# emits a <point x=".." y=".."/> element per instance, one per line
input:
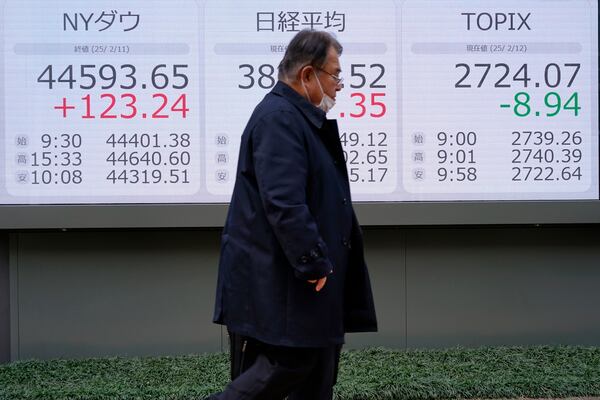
<point x="292" y="276"/>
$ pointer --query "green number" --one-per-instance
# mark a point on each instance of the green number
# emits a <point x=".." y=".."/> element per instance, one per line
<point x="522" y="104"/>
<point x="575" y="107"/>
<point x="552" y="104"/>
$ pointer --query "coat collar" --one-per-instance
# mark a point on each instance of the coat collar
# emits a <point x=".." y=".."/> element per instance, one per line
<point x="314" y="114"/>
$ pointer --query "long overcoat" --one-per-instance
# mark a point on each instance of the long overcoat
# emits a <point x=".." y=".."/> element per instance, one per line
<point x="291" y="220"/>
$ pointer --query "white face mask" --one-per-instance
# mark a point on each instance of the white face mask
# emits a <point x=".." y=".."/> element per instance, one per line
<point x="327" y="102"/>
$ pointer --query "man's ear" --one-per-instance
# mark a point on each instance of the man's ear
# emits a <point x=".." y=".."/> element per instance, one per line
<point x="306" y="73"/>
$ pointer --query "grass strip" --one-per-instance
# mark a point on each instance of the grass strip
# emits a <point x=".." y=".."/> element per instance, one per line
<point x="373" y="374"/>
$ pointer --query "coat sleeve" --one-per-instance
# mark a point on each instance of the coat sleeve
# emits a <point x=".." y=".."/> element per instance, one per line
<point x="281" y="168"/>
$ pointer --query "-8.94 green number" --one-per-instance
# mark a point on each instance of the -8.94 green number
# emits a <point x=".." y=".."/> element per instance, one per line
<point x="552" y="101"/>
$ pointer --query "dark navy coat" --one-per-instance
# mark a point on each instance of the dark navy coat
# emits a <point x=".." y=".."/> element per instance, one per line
<point x="291" y="220"/>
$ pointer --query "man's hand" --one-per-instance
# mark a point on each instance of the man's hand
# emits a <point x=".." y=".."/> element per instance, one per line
<point x="320" y="283"/>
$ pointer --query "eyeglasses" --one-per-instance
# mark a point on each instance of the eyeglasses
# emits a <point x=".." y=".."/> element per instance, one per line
<point x="337" y="79"/>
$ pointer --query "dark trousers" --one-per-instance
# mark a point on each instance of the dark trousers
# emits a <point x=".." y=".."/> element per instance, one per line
<point x="261" y="371"/>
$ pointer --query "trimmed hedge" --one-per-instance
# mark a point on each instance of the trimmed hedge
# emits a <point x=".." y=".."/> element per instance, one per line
<point x="374" y="374"/>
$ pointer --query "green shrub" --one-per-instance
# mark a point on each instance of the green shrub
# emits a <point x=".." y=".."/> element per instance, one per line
<point x="374" y="374"/>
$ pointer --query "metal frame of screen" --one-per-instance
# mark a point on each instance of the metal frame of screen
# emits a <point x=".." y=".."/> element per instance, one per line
<point x="373" y="214"/>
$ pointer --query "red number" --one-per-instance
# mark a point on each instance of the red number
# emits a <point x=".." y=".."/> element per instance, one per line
<point x="88" y="108"/>
<point x="131" y="105"/>
<point x="361" y="104"/>
<point x="113" y="100"/>
<point x="181" y="99"/>
<point x="179" y="106"/>
<point x="156" y="113"/>
<point x="374" y="103"/>
<point x="379" y="104"/>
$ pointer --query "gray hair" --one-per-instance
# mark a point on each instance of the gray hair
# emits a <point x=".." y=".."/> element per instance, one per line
<point x="308" y="47"/>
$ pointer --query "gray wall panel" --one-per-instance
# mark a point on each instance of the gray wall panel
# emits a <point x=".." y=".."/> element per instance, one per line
<point x="116" y="293"/>
<point x="473" y="287"/>
<point x="102" y="293"/>
<point x="4" y="300"/>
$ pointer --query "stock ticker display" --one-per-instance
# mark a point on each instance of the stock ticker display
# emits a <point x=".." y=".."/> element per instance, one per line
<point x="145" y="101"/>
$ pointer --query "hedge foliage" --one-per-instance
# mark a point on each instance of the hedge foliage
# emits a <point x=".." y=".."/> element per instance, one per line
<point x="374" y="374"/>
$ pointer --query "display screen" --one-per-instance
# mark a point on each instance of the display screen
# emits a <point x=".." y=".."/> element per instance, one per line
<point x="128" y="102"/>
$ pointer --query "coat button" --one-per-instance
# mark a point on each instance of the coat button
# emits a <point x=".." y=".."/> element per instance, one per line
<point x="344" y="201"/>
<point x="335" y="162"/>
<point x="314" y="254"/>
<point x="347" y="243"/>
<point x="304" y="259"/>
